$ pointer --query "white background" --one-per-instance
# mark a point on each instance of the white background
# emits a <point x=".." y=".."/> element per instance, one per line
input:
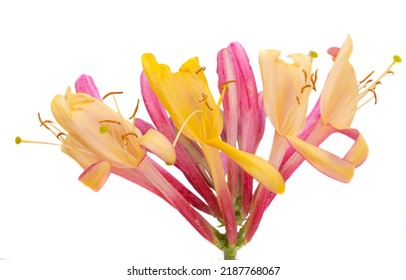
<point x="319" y="229"/>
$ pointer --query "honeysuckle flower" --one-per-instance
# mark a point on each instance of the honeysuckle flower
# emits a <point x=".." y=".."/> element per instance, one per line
<point x="287" y="87"/>
<point x="215" y="147"/>
<point x="333" y="112"/>
<point x="190" y="159"/>
<point x="186" y="97"/>
<point x="93" y="127"/>
<point x="189" y="102"/>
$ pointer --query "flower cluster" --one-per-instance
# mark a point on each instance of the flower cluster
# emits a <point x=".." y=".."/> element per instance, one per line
<point x="213" y="143"/>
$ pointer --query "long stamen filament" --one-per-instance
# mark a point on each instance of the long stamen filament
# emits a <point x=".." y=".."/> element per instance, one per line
<point x="183" y="126"/>
<point x="18" y="141"/>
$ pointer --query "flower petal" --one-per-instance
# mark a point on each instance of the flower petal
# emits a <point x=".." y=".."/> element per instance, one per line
<point x="85" y="84"/>
<point x="338" y="100"/>
<point x="358" y="152"/>
<point x="285" y="94"/>
<point x="264" y="172"/>
<point x="186" y="97"/>
<point x="96" y="175"/>
<point x="324" y="161"/>
<point x="155" y="109"/>
<point x="158" y="144"/>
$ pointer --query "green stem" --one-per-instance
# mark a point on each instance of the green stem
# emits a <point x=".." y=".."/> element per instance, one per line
<point x="230" y="254"/>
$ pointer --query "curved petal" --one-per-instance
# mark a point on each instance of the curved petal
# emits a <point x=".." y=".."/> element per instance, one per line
<point x="358" y="152"/>
<point x="324" y="161"/>
<point x="338" y="100"/>
<point x="85" y="84"/>
<point x="264" y="172"/>
<point x="96" y="175"/>
<point x="158" y="144"/>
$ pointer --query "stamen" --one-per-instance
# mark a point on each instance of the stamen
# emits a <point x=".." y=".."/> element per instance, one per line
<point x="225" y="84"/>
<point x="59" y="135"/>
<point x="183" y="126"/>
<point x="125" y="136"/>
<point x="297" y="99"/>
<point x="390" y="72"/>
<point x="369" y="75"/>
<point x="304" y="87"/>
<point x="207" y="104"/>
<point x="200" y="69"/>
<point x="367" y="82"/>
<point x="204" y="97"/>
<point x="18" y="141"/>
<point x="375" y="96"/>
<point x="44" y="123"/>
<point x="305" y="74"/>
<point x="110" y="121"/>
<point x="376" y="84"/>
<point x="224" y="90"/>
<point x="313" y="79"/>
<point x="136" y="110"/>
<point x="113" y="92"/>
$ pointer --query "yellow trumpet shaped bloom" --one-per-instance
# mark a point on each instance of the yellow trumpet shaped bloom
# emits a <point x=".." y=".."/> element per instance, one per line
<point x="188" y="100"/>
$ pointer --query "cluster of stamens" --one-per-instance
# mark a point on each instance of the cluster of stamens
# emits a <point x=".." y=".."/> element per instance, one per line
<point x="367" y="84"/>
<point x="60" y="135"/>
<point x="313" y="79"/>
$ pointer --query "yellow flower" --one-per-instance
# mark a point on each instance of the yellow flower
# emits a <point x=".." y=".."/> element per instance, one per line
<point x="189" y="102"/>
